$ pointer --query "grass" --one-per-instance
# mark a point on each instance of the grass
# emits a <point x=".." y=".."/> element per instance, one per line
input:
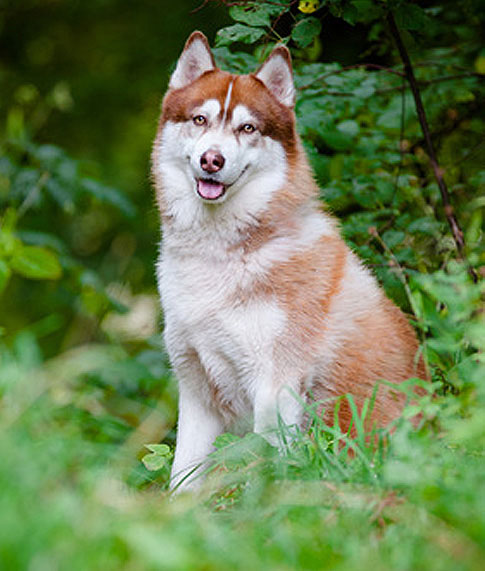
<point x="410" y="500"/>
<point x="76" y="495"/>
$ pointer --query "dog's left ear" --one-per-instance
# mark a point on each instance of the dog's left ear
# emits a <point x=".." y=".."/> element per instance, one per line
<point x="195" y="59"/>
<point x="277" y="74"/>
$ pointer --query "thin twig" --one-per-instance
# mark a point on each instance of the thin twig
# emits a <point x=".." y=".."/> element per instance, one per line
<point x="33" y="194"/>
<point x="456" y="230"/>
<point x="198" y="8"/>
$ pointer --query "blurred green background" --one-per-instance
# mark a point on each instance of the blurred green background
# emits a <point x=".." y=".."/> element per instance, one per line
<point x="89" y="78"/>
<point x="103" y="65"/>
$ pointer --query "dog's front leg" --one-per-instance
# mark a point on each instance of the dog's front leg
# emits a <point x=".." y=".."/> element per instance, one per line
<point x="276" y="407"/>
<point x="198" y="426"/>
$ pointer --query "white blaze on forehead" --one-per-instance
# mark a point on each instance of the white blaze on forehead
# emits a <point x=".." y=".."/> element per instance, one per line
<point x="227" y="102"/>
<point x="211" y="109"/>
<point x="241" y="114"/>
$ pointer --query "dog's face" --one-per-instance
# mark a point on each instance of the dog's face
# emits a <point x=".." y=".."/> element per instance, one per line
<point x="218" y="148"/>
<point x="220" y="132"/>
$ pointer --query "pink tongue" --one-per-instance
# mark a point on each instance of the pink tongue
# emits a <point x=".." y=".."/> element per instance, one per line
<point x="209" y="189"/>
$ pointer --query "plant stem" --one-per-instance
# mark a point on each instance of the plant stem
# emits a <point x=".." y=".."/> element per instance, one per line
<point x="456" y="230"/>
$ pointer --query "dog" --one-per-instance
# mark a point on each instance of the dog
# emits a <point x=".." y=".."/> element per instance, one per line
<point x="263" y="302"/>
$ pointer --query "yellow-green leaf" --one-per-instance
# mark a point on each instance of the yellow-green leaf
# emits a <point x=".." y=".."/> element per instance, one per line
<point x="480" y="64"/>
<point x="308" y="6"/>
<point x="36" y="263"/>
<point x="5" y="273"/>
<point x="160" y="454"/>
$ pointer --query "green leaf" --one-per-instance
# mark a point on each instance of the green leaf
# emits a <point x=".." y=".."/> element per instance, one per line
<point x="411" y="17"/>
<point x="8" y="243"/>
<point x="364" y="11"/>
<point x="36" y="238"/>
<point x="50" y="156"/>
<point x="336" y="139"/>
<point x="160" y="454"/>
<point x="474" y="229"/>
<point x="305" y="31"/>
<point x="392" y="238"/>
<point x="110" y="195"/>
<point x="35" y="262"/>
<point x="8" y="220"/>
<point x="60" y="194"/>
<point x="349" y="127"/>
<point x="424" y="225"/>
<point x="366" y="88"/>
<point x="255" y="14"/>
<point x="5" y="273"/>
<point x="26" y="182"/>
<point x="235" y="452"/>
<point x="225" y="440"/>
<point x="480" y="63"/>
<point x="238" y="62"/>
<point x="238" y="33"/>
<point x="161" y="449"/>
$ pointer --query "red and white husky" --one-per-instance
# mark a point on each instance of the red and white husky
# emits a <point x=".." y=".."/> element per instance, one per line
<point x="262" y="298"/>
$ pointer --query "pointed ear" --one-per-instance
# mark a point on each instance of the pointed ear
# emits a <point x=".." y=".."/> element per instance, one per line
<point x="195" y="60"/>
<point x="276" y="73"/>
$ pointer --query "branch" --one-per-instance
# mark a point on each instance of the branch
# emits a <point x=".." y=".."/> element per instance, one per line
<point x="456" y="230"/>
<point x="198" y="8"/>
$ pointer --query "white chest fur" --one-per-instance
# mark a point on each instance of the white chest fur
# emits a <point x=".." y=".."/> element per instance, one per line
<point x="209" y="320"/>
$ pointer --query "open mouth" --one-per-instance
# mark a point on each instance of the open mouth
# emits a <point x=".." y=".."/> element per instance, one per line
<point x="210" y="189"/>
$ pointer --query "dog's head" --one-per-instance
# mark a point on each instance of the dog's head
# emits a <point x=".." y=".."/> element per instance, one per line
<point x="220" y="132"/>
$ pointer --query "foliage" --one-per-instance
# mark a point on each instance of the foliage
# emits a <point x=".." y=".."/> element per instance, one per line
<point x="85" y="386"/>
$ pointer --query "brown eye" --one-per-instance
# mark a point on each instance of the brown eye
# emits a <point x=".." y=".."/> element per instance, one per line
<point x="248" y="128"/>
<point x="199" y="120"/>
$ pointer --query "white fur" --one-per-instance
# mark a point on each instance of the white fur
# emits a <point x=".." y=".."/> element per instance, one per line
<point x="208" y="337"/>
<point x="227" y="102"/>
<point x="210" y="109"/>
<point x="240" y="115"/>
<point x="260" y="170"/>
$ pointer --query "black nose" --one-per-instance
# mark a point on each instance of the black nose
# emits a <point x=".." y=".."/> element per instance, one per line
<point x="212" y="161"/>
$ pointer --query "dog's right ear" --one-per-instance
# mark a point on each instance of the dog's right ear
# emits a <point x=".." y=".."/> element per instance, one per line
<point x="195" y="60"/>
